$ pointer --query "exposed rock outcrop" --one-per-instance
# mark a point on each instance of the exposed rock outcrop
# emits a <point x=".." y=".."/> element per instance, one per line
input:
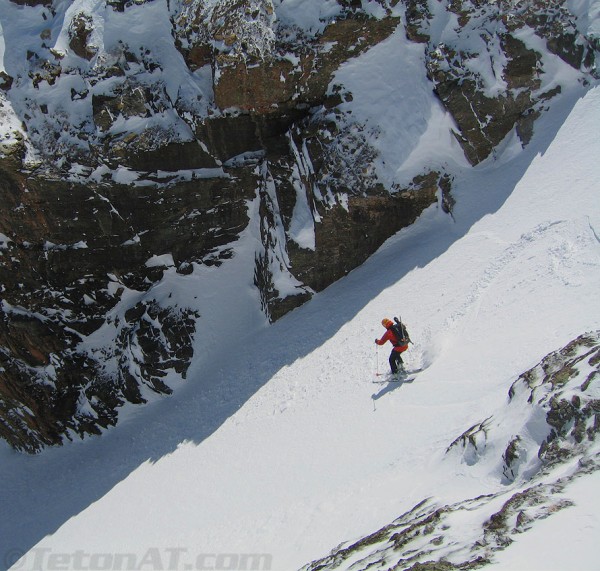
<point x="562" y="384"/>
<point x="503" y="90"/>
<point x="58" y="292"/>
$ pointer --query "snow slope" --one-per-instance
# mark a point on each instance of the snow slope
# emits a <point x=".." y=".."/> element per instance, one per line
<point x="279" y="444"/>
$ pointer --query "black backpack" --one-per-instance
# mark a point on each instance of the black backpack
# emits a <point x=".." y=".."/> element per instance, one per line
<point x="400" y="332"/>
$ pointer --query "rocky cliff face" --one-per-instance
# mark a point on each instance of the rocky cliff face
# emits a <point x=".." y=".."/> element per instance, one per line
<point x="135" y="135"/>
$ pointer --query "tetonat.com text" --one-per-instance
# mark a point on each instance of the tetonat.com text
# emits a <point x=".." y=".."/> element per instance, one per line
<point x="153" y="559"/>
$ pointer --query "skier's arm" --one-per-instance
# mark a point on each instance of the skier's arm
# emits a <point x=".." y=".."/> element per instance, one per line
<point x="384" y="339"/>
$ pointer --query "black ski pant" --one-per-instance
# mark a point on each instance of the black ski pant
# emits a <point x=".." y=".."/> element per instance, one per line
<point x="395" y="361"/>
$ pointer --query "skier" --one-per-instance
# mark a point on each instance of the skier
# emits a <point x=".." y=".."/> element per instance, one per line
<point x="398" y="337"/>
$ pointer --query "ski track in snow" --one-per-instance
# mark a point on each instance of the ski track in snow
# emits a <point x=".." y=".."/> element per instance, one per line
<point x="560" y="254"/>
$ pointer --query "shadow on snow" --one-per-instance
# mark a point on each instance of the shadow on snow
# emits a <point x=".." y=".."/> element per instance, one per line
<point x="392" y="385"/>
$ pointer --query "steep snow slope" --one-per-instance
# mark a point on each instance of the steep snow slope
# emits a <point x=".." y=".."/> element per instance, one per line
<point x="286" y="448"/>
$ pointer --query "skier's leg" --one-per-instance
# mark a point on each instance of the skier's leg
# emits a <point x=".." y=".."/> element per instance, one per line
<point x="396" y="362"/>
<point x="393" y="362"/>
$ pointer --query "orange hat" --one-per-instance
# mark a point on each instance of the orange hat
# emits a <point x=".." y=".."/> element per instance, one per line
<point x="386" y="323"/>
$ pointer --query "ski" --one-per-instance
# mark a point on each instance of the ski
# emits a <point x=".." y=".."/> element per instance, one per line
<point x="403" y="380"/>
<point x="407" y="377"/>
<point x="402" y="373"/>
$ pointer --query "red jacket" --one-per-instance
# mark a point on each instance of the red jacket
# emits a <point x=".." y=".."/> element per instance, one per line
<point x="389" y="336"/>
